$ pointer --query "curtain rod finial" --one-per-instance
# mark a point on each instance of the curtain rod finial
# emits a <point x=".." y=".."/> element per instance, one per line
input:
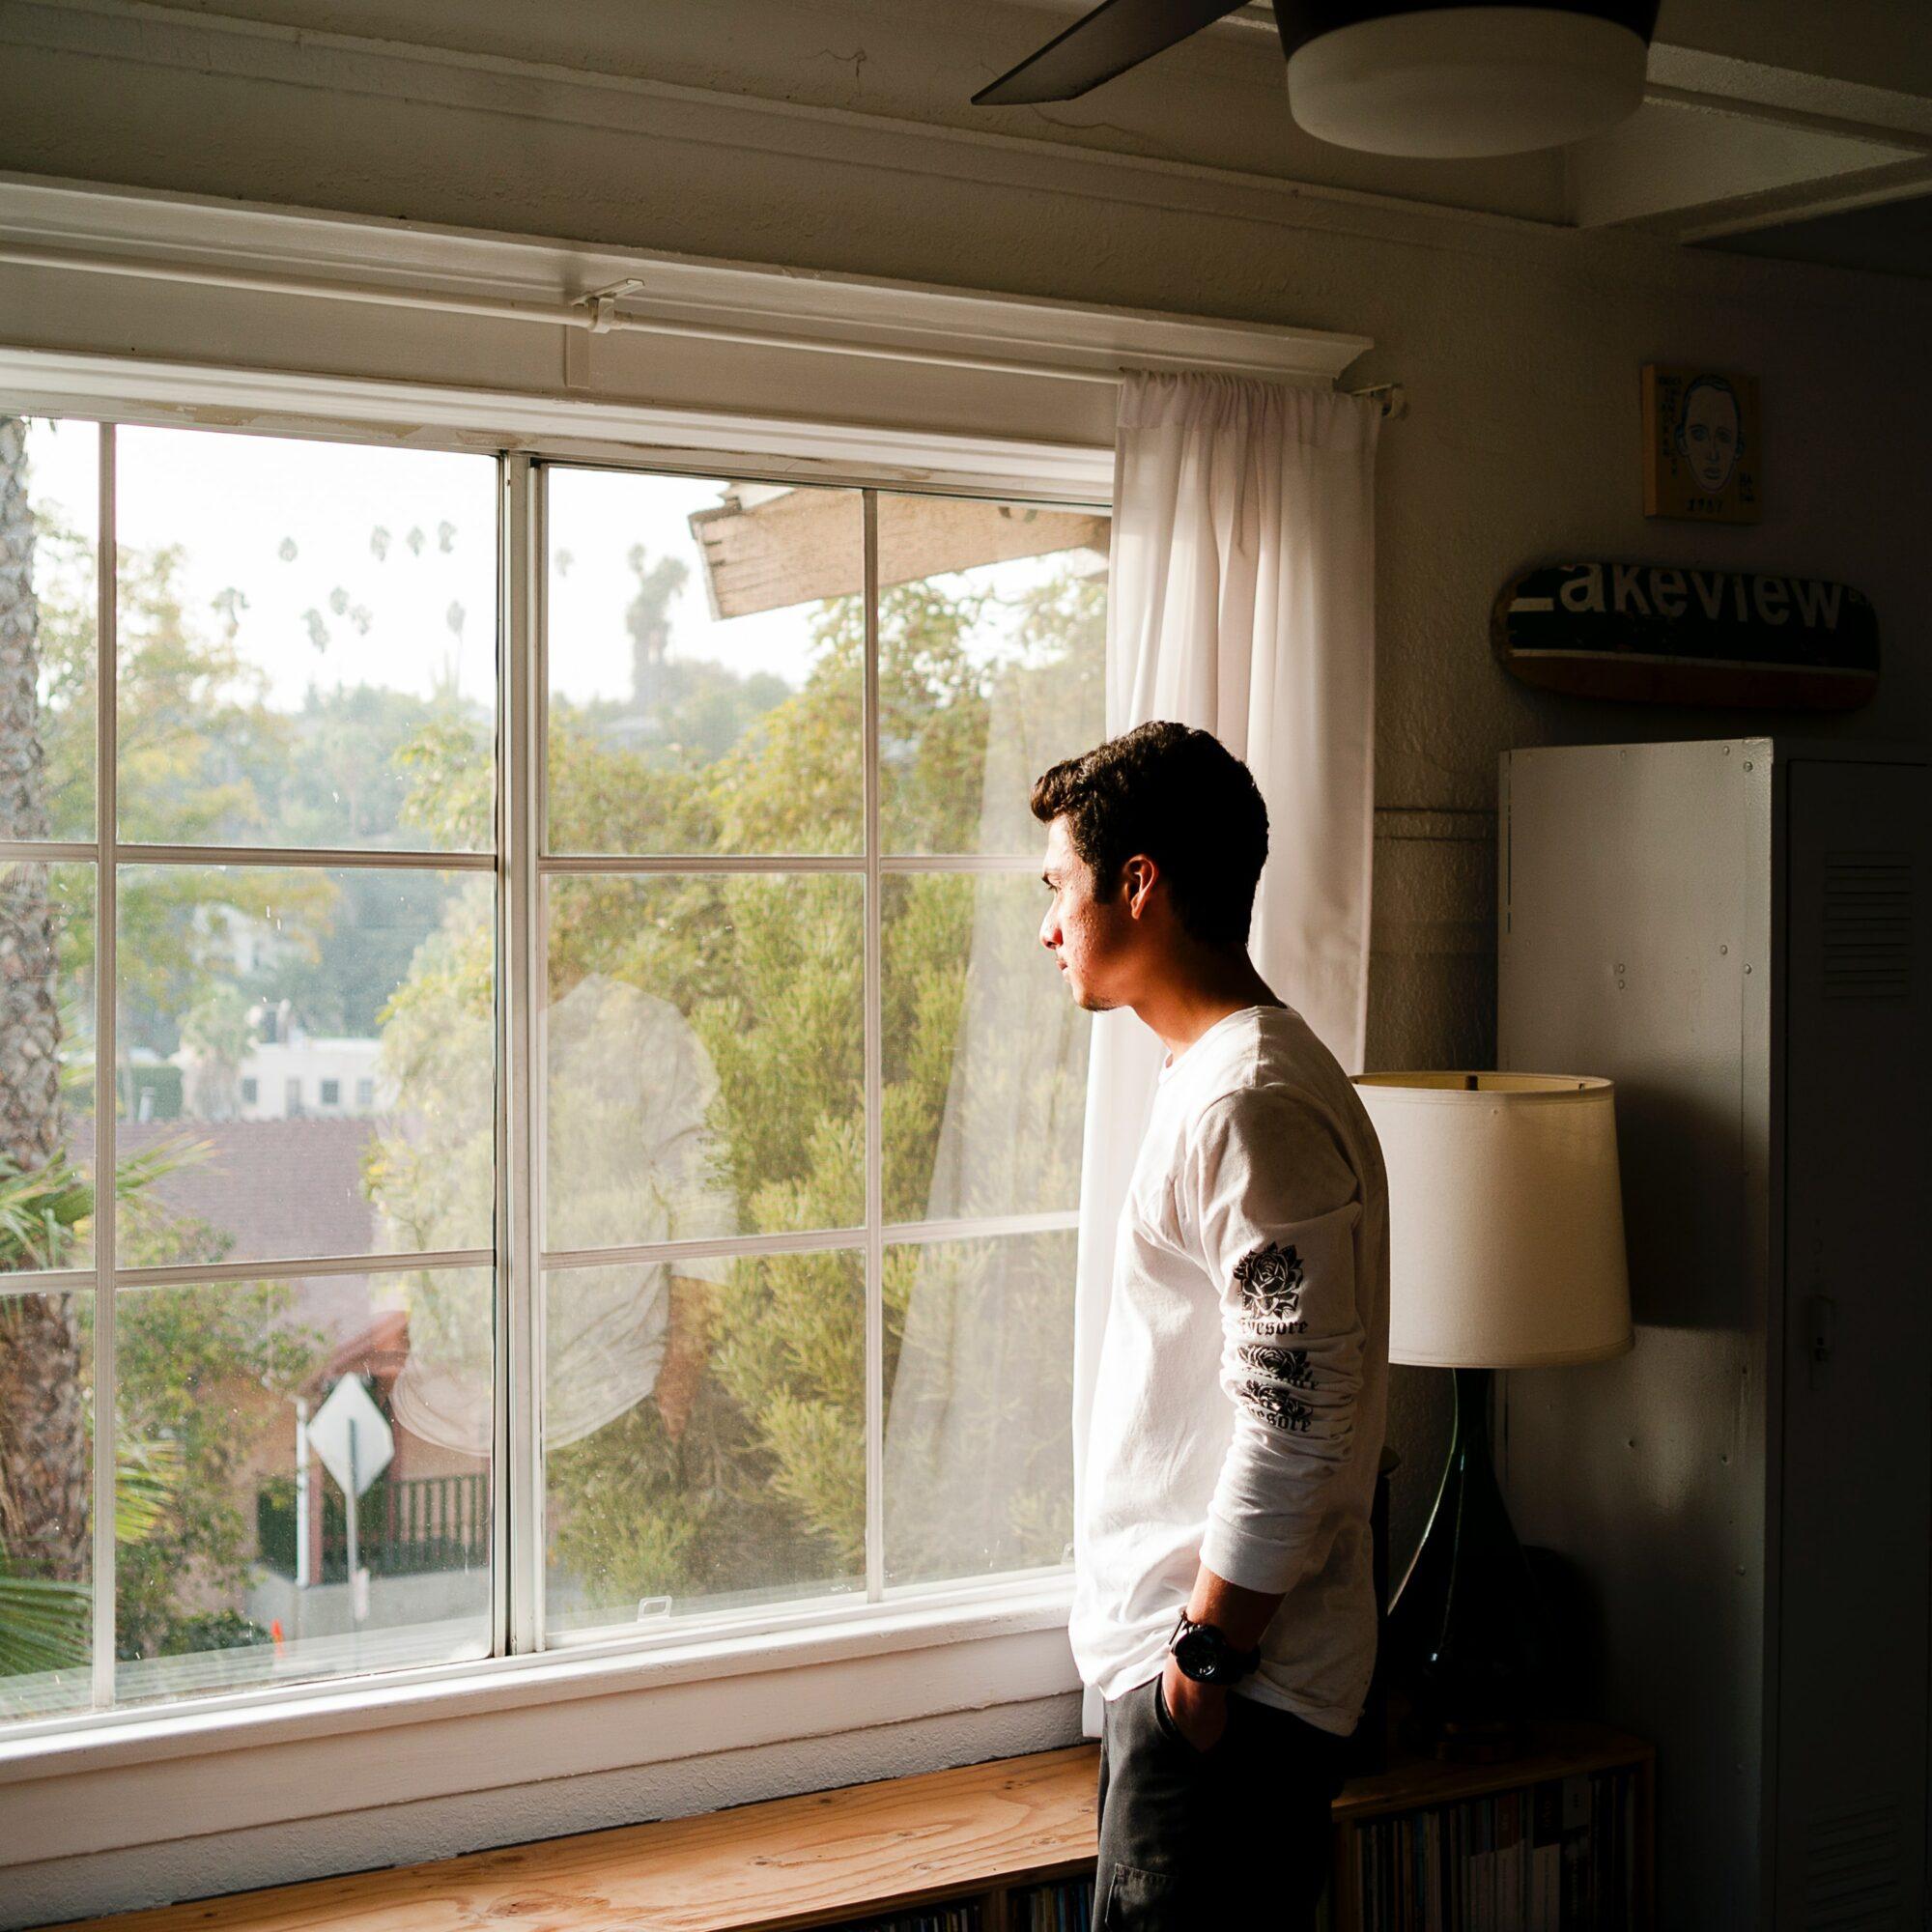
<point x="1394" y="398"/>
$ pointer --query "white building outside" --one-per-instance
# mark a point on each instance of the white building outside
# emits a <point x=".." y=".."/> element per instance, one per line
<point x="301" y="1076"/>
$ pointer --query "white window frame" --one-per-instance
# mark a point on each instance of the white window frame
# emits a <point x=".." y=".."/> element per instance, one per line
<point x="519" y="1261"/>
<point x="276" y="1788"/>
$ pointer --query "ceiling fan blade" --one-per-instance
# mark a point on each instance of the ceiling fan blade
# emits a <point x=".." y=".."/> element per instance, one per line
<point x="1117" y="35"/>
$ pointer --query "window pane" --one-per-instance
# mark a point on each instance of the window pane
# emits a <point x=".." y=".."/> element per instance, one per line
<point x="242" y="991"/>
<point x="308" y="641"/>
<point x="704" y="1435"/>
<point x="50" y="530"/>
<point x="230" y="1565"/>
<point x="992" y="665"/>
<point x="46" y="1066"/>
<point x="46" y="1467"/>
<point x="704" y="1061"/>
<point x="706" y="646"/>
<point x="979" y="1471"/>
<point x="985" y="1054"/>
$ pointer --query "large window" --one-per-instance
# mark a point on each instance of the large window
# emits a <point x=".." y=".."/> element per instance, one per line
<point x="591" y="1160"/>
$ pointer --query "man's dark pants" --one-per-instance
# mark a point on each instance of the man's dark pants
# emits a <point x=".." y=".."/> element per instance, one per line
<point x="1235" y="1835"/>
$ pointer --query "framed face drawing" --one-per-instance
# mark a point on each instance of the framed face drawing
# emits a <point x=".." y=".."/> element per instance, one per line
<point x="1700" y="443"/>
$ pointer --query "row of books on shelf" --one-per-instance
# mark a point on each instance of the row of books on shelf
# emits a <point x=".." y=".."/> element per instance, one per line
<point x="1544" y="1858"/>
<point x="960" y="1916"/>
<point x="1065" y="1905"/>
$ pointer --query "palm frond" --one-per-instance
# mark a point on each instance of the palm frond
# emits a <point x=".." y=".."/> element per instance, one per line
<point x="43" y="1208"/>
<point x="148" y="1476"/>
<point x="43" y="1623"/>
<point x="39" y="1208"/>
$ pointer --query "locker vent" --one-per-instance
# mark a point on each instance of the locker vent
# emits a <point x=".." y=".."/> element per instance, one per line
<point x="1851" y="1869"/>
<point x="1867" y="926"/>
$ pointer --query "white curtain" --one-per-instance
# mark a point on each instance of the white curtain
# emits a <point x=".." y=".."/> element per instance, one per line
<point x="1241" y="601"/>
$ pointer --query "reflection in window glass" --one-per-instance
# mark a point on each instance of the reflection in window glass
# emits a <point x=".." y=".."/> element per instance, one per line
<point x="46" y="1067"/>
<point x="992" y="664"/>
<point x="704" y="1060"/>
<point x="706" y="644"/>
<point x="308" y="641"/>
<point x="244" y="993"/>
<point x="704" y="1437"/>
<point x="979" y="1472"/>
<point x="49" y="523"/>
<point x="231" y="1540"/>
<point x="46" y="1467"/>
<point x="986" y="1056"/>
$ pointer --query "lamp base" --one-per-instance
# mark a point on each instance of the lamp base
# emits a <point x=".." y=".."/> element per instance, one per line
<point x="1466" y="1632"/>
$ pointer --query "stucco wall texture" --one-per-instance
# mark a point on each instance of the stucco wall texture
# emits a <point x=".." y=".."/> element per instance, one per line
<point x="835" y="137"/>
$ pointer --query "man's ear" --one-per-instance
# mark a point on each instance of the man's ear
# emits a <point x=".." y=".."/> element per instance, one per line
<point x="1139" y="874"/>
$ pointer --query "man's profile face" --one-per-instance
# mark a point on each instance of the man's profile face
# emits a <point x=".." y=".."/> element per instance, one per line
<point x="1708" y="437"/>
<point x="1083" y="933"/>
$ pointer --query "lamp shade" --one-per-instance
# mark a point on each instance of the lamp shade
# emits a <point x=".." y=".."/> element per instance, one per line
<point x="1506" y="1237"/>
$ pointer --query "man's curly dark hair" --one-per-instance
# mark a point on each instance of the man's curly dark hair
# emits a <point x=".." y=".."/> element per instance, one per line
<point x="1185" y="800"/>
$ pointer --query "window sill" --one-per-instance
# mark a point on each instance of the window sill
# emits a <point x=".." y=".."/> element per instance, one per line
<point x="505" y="1684"/>
<point x="505" y="1726"/>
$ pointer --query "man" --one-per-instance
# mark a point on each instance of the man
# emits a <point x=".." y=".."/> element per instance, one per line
<point x="1224" y="1602"/>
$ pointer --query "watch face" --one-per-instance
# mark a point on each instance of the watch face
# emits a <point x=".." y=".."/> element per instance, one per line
<point x="1199" y="1656"/>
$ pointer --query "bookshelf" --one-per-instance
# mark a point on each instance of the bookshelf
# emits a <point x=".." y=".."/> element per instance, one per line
<point x="1559" y="1837"/>
<point x="1005" y="1846"/>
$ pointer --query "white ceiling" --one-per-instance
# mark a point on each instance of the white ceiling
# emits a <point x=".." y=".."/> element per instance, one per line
<point x="1781" y="119"/>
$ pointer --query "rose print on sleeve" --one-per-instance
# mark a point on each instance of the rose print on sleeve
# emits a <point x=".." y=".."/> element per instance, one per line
<point x="1269" y="1280"/>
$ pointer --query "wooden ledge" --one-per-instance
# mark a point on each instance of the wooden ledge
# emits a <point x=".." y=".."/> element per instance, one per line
<point x="818" y="1859"/>
<point x="814" y="1859"/>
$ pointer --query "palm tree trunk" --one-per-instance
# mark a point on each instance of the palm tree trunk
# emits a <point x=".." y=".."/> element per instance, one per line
<point x="44" y="1474"/>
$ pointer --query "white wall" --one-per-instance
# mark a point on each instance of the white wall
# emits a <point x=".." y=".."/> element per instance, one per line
<point x="831" y="138"/>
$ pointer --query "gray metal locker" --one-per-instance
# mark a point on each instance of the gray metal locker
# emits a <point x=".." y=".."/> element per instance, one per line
<point x="1737" y="932"/>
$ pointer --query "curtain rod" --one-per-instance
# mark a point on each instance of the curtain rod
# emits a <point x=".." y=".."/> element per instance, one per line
<point x="598" y="312"/>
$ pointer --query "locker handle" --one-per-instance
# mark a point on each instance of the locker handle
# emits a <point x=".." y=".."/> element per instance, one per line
<point x="1821" y="1322"/>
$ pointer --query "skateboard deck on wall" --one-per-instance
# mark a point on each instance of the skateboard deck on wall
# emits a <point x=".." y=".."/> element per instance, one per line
<point x="1665" y="633"/>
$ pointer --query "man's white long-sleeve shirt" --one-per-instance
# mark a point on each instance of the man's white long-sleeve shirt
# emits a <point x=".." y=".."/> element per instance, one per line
<point x="1243" y="1372"/>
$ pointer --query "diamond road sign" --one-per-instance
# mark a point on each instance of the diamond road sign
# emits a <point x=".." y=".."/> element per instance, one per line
<point x="350" y="1436"/>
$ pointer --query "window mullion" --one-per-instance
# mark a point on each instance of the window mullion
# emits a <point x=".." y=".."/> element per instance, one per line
<point x="107" y="810"/>
<point x="876" y="1207"/>
<point x="519" y="1482"/>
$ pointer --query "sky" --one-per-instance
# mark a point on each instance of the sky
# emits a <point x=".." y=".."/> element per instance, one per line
<point x="355" y="560"/>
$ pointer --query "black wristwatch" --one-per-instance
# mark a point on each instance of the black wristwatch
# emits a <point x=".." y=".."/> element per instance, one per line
<point x="1205" y="1655"/>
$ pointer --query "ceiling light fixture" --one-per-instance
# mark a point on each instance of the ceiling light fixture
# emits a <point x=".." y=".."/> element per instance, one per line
<point x="1458" y="82"/>
<point x="1425" y="79"/>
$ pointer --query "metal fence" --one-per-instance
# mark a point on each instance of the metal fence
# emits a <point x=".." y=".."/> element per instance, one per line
<point x="404" y="1528"/>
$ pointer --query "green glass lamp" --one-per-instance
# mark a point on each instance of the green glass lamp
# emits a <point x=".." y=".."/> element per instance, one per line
<point x="1506" y="1250"/>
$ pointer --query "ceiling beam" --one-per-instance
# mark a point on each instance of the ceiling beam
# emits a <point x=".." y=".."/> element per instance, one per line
<point x="1721" y="145"/>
